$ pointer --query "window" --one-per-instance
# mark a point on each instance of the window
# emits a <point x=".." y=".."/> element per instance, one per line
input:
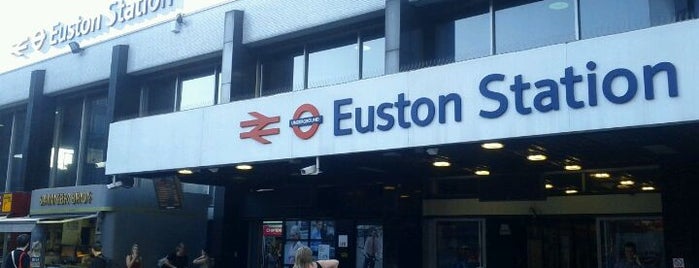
<point x="187" y="89"/>
<point x="521" y="25"/>
<point x="603" y="17"/>
<point x="94" y="154"/>
<point x="323" y="63"/>
<point x="472" y="35"/>
<point x="373" y="57"/>
<point x="160" y="96"/>
<point x="642" y="235"/>
<point x="334" y="65"/>
<point x="5" y="143"/>
<point x="198" y="91"/>
<point x="78" y="154"/>
<point x="283" y="72"/>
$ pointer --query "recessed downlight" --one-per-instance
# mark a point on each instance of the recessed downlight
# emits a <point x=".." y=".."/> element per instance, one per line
<point x="441" y="163"/>
<point x="549" y="186"/>
<point x="262" y="190"/>
<point x="600" y="175"/>
<point x="185" y="171"/>
<point x="536" y="157"/>
<point x="648" y="188"/>
<point x="571" y="191"/>
<point x="482" y="172"/>
<point x="243" y="167"/>
<point x="492" y="145"/>
<point x="572" y="167"/>
<point x="389" y="187"/>
<point x="627" y="182"/>
<point x="559" y="5"/>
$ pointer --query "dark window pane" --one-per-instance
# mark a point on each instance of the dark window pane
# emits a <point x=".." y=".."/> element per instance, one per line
<point x="603" y="17"/>
<point x="5" y="136"/>
<point x="523" y="25"/>
<point x="161" y="96"/>
<point x="95" y="141"/>
<point x="198" y="92"/>
<point x="66" y="151"/>
<point x="17" y="137"/>
<point x="373" y="58"/>
<point x="333" y="65"/>
<point x="282" y="73"/>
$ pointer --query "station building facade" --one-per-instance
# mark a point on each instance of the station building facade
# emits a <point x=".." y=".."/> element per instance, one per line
<point x="387" y="133"/>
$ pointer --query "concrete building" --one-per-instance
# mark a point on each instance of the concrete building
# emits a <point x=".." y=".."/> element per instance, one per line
<point x="386" y="133"/>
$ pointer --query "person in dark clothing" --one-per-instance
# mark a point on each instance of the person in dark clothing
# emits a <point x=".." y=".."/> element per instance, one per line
<point x="98" y="260"/>
<point x="178" y="259"/>
<point x="18" y="258"/>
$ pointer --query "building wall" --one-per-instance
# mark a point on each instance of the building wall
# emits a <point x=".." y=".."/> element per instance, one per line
<point x="201" y="35"/>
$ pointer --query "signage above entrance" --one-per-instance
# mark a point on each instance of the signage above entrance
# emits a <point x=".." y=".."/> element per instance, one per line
<point x="586" y="85"/>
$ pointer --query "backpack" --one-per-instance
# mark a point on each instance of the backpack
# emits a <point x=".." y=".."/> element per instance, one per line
<point x="22" y="254"/>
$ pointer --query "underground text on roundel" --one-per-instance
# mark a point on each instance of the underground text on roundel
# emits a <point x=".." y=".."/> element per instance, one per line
<point x="547" y="98"/>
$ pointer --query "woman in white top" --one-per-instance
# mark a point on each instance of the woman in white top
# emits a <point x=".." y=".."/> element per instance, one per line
<point x="203" y="261"/>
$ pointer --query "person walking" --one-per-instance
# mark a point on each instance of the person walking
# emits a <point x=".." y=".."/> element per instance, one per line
<point x="18" y="258"/>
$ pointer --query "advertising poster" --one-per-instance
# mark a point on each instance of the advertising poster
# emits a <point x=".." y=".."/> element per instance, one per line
<point x="369" y="246"/>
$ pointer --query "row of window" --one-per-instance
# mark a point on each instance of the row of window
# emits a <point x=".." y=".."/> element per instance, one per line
<point x="438" y="32"/>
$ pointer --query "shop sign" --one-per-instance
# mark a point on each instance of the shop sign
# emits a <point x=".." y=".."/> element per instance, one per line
<point x="117" y="14"/>
<point x="59" y="199"/>
<point x="274" y="230"/>
<point x="6" y="203"/>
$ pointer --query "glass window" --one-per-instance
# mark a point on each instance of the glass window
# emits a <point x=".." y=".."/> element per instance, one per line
<point x="459" y="244"/>
<point x="604" y="17"/>
<point x="373" y="57"/>
<point x="64" y="154"/>
<point x="17" y="137"/>
<point x="641" y="236"/>
<point x="283" y="73"/>
<point x="5" y="136"/>
<point x="95" y="141"/>
<point x="333" y="65"/>
<point x="161" y="96"/>
<point x="521" y="25"/>
<point x="197" y="92"/>
<point x="472" y="35"/>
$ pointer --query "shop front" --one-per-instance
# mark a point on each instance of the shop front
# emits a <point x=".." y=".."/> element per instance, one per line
<point x="13" y="219"/>
<point x="69" y="220"/>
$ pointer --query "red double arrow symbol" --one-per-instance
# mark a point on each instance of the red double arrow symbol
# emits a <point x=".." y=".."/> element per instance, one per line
<point x="259" y="123"/>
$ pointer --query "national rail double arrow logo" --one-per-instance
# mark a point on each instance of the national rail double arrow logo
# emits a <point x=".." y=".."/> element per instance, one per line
<point x="258" y="131"/>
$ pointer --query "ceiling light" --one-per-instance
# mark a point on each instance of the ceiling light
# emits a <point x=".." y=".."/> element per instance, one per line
<point x="627" y="182"/>
<point x="185" y="171"/>
<point x="492" y="145"/>
<point x="549" y="186"/>
<point x="648" y="188"/>
<point x="389" y="188"/>
<point x="243" y="167"/>
<point x="404" y="196"/>
<point x="558" y="5"/>
<point x="536" y="157"/>
<point x="441" y="163"/>
<point x="482" y="172"/>
<point x="600" y="175"/>
<point x="572" y="167"/>
<point x="264" y="190"/>
<point x="571" y="191"/>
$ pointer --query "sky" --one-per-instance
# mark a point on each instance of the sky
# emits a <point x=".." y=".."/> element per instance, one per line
<point x="22" y="19"/>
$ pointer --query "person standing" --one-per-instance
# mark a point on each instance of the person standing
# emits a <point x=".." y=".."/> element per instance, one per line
<point x="98" y="260"/>
<point x="372" y="247"/>
<point x="178" y="259"/>
<point x="134" y="260"/>
<point x="304" y="259"/>
<point x="18" y="258"/>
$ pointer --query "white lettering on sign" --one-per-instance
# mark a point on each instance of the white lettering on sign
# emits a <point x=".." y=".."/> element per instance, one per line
<point x="119" y="12"/>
